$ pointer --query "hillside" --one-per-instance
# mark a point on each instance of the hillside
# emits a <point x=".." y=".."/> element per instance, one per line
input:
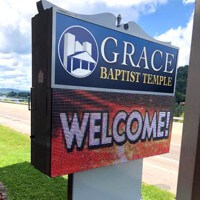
<point x="7" y="90"/>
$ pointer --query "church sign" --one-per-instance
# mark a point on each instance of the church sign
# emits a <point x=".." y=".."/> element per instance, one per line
<point x="112" y="93"/>
<point x="118" y="62"/>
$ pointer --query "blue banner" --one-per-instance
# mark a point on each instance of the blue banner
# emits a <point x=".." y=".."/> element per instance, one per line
<point x="92" y="57"/>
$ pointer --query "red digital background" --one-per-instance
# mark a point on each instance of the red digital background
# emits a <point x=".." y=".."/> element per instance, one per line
<point x="79" y="101"/>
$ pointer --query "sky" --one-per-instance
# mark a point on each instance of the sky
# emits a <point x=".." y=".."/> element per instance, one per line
<point x="165" y="20"/>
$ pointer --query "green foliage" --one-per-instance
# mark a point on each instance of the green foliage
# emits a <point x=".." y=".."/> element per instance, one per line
<point x="23" y="94"/>
<point x="178" y="110"/>
<point x="13" y="94"/>
<point x="180" y="97"/>
<point x="181" y="83"/>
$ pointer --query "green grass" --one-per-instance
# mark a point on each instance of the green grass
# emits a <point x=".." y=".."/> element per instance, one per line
<point x="150" y="192"/>
<point x="24" y="182"/>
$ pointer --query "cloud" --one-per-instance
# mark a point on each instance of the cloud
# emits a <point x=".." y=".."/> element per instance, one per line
<point x="15" y="25"/>
<point x="188" y="1"/>
<point x="72" y="4"/>
<point x="15" y="70"/>
<point x="5" y="68"/>
<point x="180" y="37"/>
<point x="15" y="17"/>
<point x="15" y="30"/>
<point x="129" y="9"/>
<point x="12" y="40"/>
<point x="124" y="3"/>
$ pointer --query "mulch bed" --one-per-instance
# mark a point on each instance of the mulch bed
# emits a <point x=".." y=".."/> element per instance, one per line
<point x="3" y="193"/>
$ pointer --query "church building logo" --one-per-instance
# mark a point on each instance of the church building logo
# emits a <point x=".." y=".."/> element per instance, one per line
<point x="78" y="51"/>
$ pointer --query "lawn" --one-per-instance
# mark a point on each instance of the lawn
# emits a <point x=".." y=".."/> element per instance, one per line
<point x="151" y="192"/>
<point x="24" y="182"/>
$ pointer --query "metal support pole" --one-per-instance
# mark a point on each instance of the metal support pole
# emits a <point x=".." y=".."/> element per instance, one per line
<point x="189" y="169"/>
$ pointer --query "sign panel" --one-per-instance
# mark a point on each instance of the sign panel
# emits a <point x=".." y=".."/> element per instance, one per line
<point x="112" y="95"/>
<point x="93" y="57"/>
<point x="94" y="129"/>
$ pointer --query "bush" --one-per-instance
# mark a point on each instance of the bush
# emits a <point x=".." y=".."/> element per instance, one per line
<point x="178" y="110"/>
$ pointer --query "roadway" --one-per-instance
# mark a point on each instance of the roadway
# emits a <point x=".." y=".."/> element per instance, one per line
<point x="15" y="116"/>
<point x="161" y="170"/>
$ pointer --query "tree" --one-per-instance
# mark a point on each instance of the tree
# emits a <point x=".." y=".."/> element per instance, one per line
<point x="24" y="94"/>
<point x="181" y="83"/>
<point x="11" y="94"/>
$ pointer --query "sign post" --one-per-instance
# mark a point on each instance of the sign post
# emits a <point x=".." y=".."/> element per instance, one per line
<point x="115" y="182"/>
<point x="189" y="167"/>
<point x="102" y="95"/>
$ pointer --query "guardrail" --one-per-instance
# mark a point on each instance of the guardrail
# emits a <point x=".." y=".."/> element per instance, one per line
<point x="13" y="100"/>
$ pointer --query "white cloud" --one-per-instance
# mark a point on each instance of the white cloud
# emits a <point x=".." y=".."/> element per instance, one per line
<point x="188" y="1"/>
<point x="15" y="16"/>
<point x="129" y="9"/>
<point x="15" y="30"/>
<point x="13" y="40"/>
<point x="15" y="70"/>
<point x="125" y="3"/>
<point x="72" y="4"/>
<point x="180" y="37"/>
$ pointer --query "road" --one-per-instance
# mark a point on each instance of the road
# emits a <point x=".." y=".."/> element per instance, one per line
<point x="161" y="170"/>
<point x="15" y="116"/>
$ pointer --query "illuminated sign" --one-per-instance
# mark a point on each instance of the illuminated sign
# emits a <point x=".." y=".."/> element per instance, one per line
<point x="108" y="104"/>
<point x="93" y="129"/>
<point x="107" y="92"/>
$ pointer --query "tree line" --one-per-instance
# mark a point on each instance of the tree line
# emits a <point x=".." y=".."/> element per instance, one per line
<point x="181" y="83"/>
<point x="23" y="95"/>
